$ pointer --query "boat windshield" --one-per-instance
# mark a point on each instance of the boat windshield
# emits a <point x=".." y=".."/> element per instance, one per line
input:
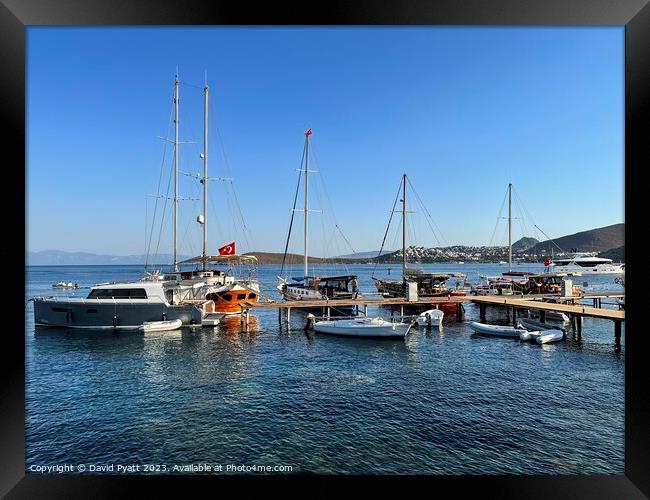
<point x="117" y="293"/>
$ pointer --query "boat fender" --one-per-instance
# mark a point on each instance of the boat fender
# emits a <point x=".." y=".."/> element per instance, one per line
<point x="164" y="316"/>
<point x="116" y="321"/>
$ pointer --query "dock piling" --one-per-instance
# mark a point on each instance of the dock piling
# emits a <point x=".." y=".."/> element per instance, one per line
<point x="460" y="312"/>
<point x="617" y="336"/>
<point x="578" y="320"/>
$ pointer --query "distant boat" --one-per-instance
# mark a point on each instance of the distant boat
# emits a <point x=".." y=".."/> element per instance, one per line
<point x="361" y="327"/>
<point x="63" y="284"/>
<point x="433" y="284"/>
<point x="583" y="262"/>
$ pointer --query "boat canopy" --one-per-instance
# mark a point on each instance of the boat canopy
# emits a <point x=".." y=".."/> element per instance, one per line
<point x="348" y="277"/>
<point x="428" y="276"/>
<point x="221" y="259"/>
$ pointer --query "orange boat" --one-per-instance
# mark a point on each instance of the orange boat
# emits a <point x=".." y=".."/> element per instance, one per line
<point x="231" y="300"/>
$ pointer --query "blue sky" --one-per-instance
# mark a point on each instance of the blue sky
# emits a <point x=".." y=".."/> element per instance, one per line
<point x="462" y="110"/>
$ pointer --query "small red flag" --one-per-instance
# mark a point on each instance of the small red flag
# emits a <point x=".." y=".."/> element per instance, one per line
<point x="228" y="249"/>
<point x="308" y="132"/>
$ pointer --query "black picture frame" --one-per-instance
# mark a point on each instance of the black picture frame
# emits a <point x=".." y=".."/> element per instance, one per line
<point x="16" y="15"/>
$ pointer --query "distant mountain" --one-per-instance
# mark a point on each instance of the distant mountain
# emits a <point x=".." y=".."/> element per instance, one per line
<point x="292" y="258"/>
<point x="524" y="244"/>
<point x="594" y="240"/>
<point x="295" y="259"/>
<point x="616" y="254"/>
<point x="61" y="258"/>
<point x="362" y="255"/>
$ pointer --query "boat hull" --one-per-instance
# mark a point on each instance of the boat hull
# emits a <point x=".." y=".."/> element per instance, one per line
<point x="496" y="330"/>
<point x="528" y="336"/>
<point x="362" y="329"/>
<point x="584" y="270"/>
<point x="118" y="315"/>
<point x="232" y="299"/>
<point x="432" y="317"/>
<point x="160" y="326"/>
<point x="549" y="336"/>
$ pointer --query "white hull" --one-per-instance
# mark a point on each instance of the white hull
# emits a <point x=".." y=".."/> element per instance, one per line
<point x="550" y="336"/>
<point x="553" y="315"/>
<point x="530" y="336"/>
<point x="542" y="334"/>
<point x="496" y="330"/>
<point x="160" y="326"/>
<point x="530" y="324"/>
<point x="365" y="327"/>
<point x="431" y="317"/>
<point x="584" y="263"/>
<point x="597" y="269"/>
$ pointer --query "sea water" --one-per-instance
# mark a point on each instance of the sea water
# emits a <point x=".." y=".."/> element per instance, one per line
<point x="273" y="399"/>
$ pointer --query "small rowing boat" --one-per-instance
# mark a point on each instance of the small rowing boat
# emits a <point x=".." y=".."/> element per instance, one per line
<point x="496" y="330"/>
<point x="539" y="332"/>
<point x="430" y="317"/>
<point x="160" y="326"/>
<point x="361" y="327"/>
<point x="548" y="336"/>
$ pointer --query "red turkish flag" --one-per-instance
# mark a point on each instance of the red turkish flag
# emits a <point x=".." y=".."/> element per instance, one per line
<point x="308" y="132"/>
<point x="228" y="249"/>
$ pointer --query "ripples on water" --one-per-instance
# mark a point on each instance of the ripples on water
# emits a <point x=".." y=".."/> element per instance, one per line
<point x="445" y="402"/>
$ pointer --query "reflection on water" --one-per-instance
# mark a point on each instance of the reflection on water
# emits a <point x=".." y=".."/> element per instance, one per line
<point x="236" y="324"/>
<point x="441" y="401"/>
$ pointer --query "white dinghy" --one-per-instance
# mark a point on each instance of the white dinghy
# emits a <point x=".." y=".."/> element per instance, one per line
<point x="360" y="327"/>
<point x="160" y="326"/>
<point x="530" y="336"/>
<point x="548" y="336"/>
<point x="496" y="330"/>
<point x="552" y="315"/>
<point x="430" y="317"/>
<point x="539" y="332"/>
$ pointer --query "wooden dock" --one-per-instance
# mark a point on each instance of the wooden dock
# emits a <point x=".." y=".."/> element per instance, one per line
<point x="513" y="303"/>
<point x="580" y="310"/>
<point x="398" y="301"/>
<point x="575" y="312"/>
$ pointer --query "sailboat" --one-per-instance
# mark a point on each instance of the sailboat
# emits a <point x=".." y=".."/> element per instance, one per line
<point x="520" y="282"/>
<point x="187" y="296"/>
<point x="326" y="289"/>
<point x="426" y="284"/>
